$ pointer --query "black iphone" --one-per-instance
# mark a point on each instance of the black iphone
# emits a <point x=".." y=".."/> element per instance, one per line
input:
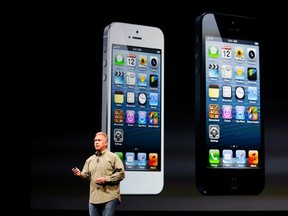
<point x="229" y="140"/>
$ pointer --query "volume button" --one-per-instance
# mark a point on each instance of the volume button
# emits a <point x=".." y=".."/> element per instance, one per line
<point x="104" y="77"/>
<point x="105" y="48"/>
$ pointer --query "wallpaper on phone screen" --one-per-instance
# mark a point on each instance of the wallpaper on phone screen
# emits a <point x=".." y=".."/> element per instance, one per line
<point x="136" y="107"/>
<point x="233" y="112"/>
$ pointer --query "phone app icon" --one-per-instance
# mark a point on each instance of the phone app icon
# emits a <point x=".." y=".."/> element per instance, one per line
<point x="214" y="156"/>
<point x="239" y="73"/>
<point x="154" y="61"/>
<point x="214" y="111"/>
<point x="214" y="131"/>
<point x="251" y="54"/>
<point x="120" y="155"/>
<point x="226" y="91"/>
<point x="227" y="156"/>
<point x="153" y="81"/>
<point x="119" y="97"/>
<point x="153" y="99"/>
<point x="143" y="61"/>
<point x="213" y="52"/>
<point x="119" y="77"/>
<point x="130" y="78"/>
<point x="142" y="116"/>
<point x="119" y="59"/>
<point x="131" y="60"/>
<point x="226" y="52"/>
<point x="118" y="116"/>
<point x="240" y="112"/>
<point x="142" y="80"/>
<point x="130" y="116"/>
<point x="252" y="93"/>
<point x="130" y="97"/>
<point x="213" y="91"/>
<point x="240" y="156"/>
<point x="227" y="71"/>
<point x="239" y="53"/>
<point x="141" y="159"/>
<point x="118" y="135"/>
<point x="130" y="156"/>
<point x="252" y="74"/>
<point x="153" y="118"/>
<point x="226" y="111"/>
<point x="153" y="159"/>
<point x="253" y="157"/>
<point x="253" y="113"/>
<point x="213" y="70"/>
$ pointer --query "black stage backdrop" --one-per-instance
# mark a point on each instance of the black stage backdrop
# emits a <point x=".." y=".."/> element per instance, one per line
<point x="68" y="39"/>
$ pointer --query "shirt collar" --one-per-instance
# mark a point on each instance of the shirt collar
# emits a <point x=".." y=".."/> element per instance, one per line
<point x="99" y="153"/>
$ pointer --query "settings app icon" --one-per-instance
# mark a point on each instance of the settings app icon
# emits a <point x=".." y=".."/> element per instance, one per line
<point x="214" y="131"/>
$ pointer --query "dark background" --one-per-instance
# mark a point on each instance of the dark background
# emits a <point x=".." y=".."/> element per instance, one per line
<point x="68" y="38"/>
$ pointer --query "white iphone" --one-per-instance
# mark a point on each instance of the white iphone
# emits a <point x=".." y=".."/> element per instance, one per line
<point x="133" y="103"/>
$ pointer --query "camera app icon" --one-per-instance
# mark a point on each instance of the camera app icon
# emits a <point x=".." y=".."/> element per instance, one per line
<point x="154" y="61"/>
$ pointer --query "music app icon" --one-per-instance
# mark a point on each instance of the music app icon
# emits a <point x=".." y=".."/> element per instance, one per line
<point x="253" y="157"/>
<point x="153" y="159"/>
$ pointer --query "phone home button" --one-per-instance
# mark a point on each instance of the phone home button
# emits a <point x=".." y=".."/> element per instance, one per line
<point x="234" y="183"/>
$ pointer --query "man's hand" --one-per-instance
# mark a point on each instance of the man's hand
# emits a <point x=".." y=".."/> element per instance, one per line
<point x="100" y="180"/>
<point x="76" y="171"/>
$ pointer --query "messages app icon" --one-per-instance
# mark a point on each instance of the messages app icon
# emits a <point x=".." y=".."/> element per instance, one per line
<point x="213" y="52"/>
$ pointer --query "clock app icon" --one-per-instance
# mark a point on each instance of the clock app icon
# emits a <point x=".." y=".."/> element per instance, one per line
<point x="239" y="92"/>
<point x="142" y="98"/>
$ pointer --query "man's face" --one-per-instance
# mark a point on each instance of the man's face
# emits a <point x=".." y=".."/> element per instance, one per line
<point x="100" y="143"/>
